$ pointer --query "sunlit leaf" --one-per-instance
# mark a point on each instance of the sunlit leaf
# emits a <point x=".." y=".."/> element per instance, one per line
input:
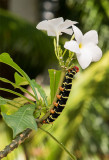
<point x="3" y="100"/>
<point x="19" y="80"/>
<point x="13" y="105"/>
<point x="54" y="81"/>
<point x="21" y="120"/>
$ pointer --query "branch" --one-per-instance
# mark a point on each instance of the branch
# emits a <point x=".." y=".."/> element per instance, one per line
<point x="24" y="135"/>
<point x="18" y="140"/>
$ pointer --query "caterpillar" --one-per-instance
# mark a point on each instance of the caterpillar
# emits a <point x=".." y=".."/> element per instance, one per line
<point x="62" y="96"/>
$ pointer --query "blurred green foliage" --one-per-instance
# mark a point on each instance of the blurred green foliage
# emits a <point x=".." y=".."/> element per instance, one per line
<point x="83" y="126"/>
<point x="31" y="49"/>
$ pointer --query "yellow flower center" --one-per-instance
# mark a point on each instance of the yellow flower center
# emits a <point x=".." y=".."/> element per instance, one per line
<point x="80" y="45"/>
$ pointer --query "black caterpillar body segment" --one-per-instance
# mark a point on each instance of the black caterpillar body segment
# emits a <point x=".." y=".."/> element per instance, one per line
<point x="63" y="96"/>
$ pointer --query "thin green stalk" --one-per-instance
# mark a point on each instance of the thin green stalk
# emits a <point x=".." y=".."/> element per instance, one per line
<point x="73" y="36"/>
<point x="64" y="52"/>
<point x="18" y="94"/>
<point x="55" y="48"/>
<point x="60" y="144"/>
<point x="16" y="86"/>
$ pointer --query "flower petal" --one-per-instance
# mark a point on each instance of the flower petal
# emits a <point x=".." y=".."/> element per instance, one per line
<point x="78" y="34"/>
<point x="72" y="46"/>
<point x="42" y="25"/>
<point x="56" y="26"/>
<point x="56" y="21"/>
<point x="45" y="25"/>
<point x="89" y="53"/>
<point x="66" y="24"/>
<point x="90" y="37"/>
<point x="95" y="52"/>
<point x="84" y="60"/>
<point x="51" y="32"/>
<point x="68" y="31"/>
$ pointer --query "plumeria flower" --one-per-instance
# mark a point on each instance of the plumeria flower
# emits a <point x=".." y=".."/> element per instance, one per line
<point x="56" y="27"/>
<point x="85" y="47"/>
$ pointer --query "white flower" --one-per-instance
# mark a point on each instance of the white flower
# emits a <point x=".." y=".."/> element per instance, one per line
<point x="56" y="27"/>
<point x="85" y="47"/>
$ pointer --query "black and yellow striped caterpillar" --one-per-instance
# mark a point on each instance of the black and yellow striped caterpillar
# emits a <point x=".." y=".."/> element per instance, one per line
<point x="63" y="96"/>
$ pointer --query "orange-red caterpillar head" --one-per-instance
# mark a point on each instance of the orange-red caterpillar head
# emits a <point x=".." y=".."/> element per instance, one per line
<point x="76" y="68"/>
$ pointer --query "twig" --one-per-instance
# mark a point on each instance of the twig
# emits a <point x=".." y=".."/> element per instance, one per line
<point x="21" y="138"/>
<point x="18" y="140"/>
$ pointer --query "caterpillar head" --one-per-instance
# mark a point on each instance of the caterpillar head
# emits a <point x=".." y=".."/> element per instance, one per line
<point x="76" y="68"/>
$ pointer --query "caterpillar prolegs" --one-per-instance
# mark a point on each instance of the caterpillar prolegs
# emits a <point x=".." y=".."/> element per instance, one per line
<point x="63" y="96"/>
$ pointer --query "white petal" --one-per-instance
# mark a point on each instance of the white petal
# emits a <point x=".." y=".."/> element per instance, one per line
<point x="89" y="53"/>
<point x="56" y="21"/>
<point x="50" y="25"/>
<point x="42" y="25"/>
<point x="95" y="52"/>
<point x="68" y="31"/>
<point x="90" y="37"/>
<point x="84" y="60"/>
<point x="72" y="46"/>
<point x="51" y="32"/>
<point x="66" y="24"/>
<point x="78" y="34"/>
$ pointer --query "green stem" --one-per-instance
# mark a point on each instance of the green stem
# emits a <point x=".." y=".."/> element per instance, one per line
<point x="18" y="94"/>
<point x="64" y="52"/>
<point x="16" y="86"/>
<point x="60" y="144"/>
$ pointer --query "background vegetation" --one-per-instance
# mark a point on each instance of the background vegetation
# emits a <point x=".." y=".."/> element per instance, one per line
<point x="83" y="127"/>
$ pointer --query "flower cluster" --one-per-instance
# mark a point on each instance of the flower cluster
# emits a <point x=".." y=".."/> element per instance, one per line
<point x="84" y="46"/>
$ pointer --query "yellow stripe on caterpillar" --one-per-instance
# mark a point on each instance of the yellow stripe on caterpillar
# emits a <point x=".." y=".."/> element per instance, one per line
<point x="67" y="77"/>
<point x="62" y="105"/>
<point x="65" y="83"/>
<point x="52" y="117"/>
<point x="67" y="89"/>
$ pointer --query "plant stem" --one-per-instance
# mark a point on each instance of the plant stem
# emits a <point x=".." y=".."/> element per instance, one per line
<point x="60" y="144"/>
<point x="15" y="143"/>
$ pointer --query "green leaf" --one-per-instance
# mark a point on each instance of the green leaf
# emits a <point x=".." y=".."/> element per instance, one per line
<point x="54" y="81"/>
<point x="3" y="100"/>
<point x="21" y="120"/>
<point x="41" y="91"/>
<point x="13" y="105"/>
<point x="5" y="58"/>
<point x="19" y="80"/>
